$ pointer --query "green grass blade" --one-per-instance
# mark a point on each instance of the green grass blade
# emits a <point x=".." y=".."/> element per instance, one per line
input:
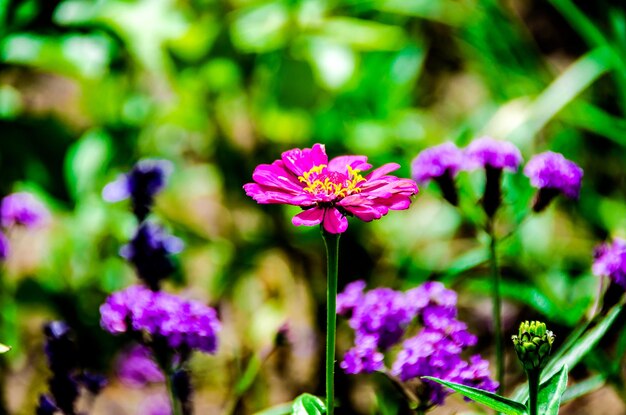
<point x="491" y="400"/>
<point x="582" y="388"/>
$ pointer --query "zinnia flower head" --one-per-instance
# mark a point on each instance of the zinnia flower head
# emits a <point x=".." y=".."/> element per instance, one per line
<point x="136" y="368"/>
<point x="610" y="261"/>
<point x="328" y="191"/>
<point x="183" y="323"/>
<point x="552" y="174"/>
<point x="23" y="208"/>
<point x="147" y="178"/>
<point x="488" y="152"/>
<point x="149" y="251"/>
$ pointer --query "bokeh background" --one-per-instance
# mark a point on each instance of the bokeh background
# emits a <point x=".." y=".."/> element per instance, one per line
<point x="218" y="86"/>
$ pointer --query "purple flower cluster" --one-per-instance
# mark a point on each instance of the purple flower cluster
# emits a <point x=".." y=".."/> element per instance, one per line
<point x="136" y="368"/>
<point x="380" y="319"/>
<point x="147" y="178"/>
<point x="149" y="252"/>
<point x="610" y="261"/>
<point x="182" y="323"/>
<point x="550" y="172"/>
<point x="20" y="209"/>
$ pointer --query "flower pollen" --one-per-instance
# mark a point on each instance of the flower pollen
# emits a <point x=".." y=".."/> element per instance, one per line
<point x="320" y="181"/>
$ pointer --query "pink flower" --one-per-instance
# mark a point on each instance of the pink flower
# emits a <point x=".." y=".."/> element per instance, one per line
<point x="328" y="191"/>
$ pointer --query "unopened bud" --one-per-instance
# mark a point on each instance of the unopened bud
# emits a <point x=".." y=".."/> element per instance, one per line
<point x="533" y="344"/>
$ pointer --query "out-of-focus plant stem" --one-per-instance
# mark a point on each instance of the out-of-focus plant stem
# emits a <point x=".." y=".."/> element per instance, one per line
<point x="176" y="406"/>
<point x="332" y="258"/>
<point x="497" y="305"/>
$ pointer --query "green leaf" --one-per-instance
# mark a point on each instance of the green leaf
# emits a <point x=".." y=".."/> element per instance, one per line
<point x="4" y="348"/>
<point x="491" y="400"/>
<point x="582" y="388"/>
<point x="282" y="409"/>
<point x="307" y="404"/>
<point x="575" y="353"/>
<point x="550" y="393"/>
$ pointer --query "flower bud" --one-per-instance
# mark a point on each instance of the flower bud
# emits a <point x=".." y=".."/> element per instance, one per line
<point x="533" y="345"/>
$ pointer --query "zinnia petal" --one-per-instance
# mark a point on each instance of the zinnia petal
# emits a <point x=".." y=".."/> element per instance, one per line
<point x="334" y="221"/>
<point x="309" y="217"/>
<point x="300" y="161"/>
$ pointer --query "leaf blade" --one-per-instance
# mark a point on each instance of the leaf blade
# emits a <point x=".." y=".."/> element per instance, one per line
<point x="491" y="400"/>
<point x="550" y="392"/>
<point x="307" y="404"/>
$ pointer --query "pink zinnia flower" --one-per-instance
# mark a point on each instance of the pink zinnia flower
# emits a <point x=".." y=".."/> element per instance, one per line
<point x="328" y="191"/>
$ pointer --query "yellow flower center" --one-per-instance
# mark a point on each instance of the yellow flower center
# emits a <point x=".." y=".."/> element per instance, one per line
<point x="320" y="181"/>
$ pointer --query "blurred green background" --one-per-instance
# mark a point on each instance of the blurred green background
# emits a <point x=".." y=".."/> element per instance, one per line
<point x="89" y="87"/>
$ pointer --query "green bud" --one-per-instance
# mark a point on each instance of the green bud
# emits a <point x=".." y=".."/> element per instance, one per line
<point x="533" y="344"/>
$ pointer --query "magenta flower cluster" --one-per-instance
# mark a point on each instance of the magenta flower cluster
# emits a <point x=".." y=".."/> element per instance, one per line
<point x="20" y="209"/>
<point x="610" y="261"/>
<point x="330" y="190"/>
<point x="553" y="171"/>
<point x="183" y="323"/>
<point x="381" y="318"/>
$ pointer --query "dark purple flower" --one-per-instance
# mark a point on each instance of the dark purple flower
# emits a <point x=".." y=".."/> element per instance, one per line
<point x="183" y="323"/>
<point x="136" y="368"/>
<point x="610" y="261"/>
<point x="149" y="252"/>
<point x="552" y="174"/>
<point x="382" y="314"/>
<point x="93" y="382"/>
<point x="46" y="406"/>
<point x="147" y="178"/>
<point x="350" y="297"/>
<point x="364" y="357"/>
<point x="488" y="152"/>
<point x="59" y="347"/>
<point x="4" y="246"/>
<point x="494" y="156"/>
<point x="440" y="163"/>
<point x="23" y="208"/>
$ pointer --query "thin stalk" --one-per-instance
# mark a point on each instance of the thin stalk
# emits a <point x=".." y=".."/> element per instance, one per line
<point x="497" y="306"/>
<point x="176" y="407"/>
<point x="533" y="390"/>
<point x="332" y="259"/>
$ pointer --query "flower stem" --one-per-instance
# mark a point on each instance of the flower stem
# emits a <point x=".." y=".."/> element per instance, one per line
<point x="332" y="257"/>
<point x="176" y="407"/>
<point x="533" y="390"/>
<point x="497" y="306"/>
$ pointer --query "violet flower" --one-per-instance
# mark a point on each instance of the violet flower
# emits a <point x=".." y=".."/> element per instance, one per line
<point x="436" y="350"/>
<point x="147" y="178"/>
<point x="149" y="252"/>
<point x="553" y="174"/>
<point x="494" y="156"/>
<point x="136" y="368"/>
<point x="185" y="324"/>
<point x="23" y="208"/>
<point x="610" y="261"/>
<point x="328" y="191"/>
<point x="439" y="163"/>
<point x="4" y="246"/>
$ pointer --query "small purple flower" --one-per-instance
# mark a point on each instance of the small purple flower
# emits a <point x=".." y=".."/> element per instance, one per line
<point x="494" y="156"/>
<point x="610" y="261"/>
<point x="23" y="208"/>
<point x="4" y="246"/>
<point x="182" y="323"/>
<point x="364" y="357"/>
<point x="440" y="163"/>
<point x="136" y="368"/>
<point x="147" y="178"/>
<point x="46" y="406"/>
<point x="552" y="174"/>
<point x="487" y="152"/>
<point x="149" y="252"/>
<point x="350" y="297"/>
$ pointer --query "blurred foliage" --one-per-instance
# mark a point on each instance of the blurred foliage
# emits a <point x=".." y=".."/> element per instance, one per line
<point x="87" y="87"/>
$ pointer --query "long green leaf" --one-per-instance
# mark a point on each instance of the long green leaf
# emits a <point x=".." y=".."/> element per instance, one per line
<point x="491" y="400"/>
<point x="578" y="350"/>
<point x="307" y="404"/>
<point x="582" y="388"/>
<point x="550" y="393"/>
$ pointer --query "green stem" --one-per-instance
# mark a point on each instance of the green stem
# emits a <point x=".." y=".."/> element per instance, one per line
<point x="497" y="306"/>
<point x="533" y="390"/>
<point x="176" y="407"/>
<point x="332" y="257"/>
